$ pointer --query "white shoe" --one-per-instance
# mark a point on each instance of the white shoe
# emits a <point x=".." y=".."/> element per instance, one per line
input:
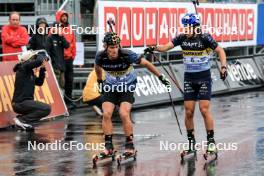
<point x="24" y="126"/>
<point x="97" y="110"/>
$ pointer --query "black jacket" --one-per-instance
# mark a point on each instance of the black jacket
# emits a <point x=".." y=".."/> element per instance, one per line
<point x="55" y="48"/>
<point x="39" y="41"/>
<point x="26" y="80"/>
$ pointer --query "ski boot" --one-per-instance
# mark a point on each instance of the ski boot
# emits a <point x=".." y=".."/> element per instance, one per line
<point x="211" y="149"/>
<point x="191" y="148"/>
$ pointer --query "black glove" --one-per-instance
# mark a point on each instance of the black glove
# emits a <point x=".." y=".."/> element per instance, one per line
<point x="149" y="50"/>
<point x="100" y="86"/>
<point x="224" y="74"/>
<point x="165" y="81"/>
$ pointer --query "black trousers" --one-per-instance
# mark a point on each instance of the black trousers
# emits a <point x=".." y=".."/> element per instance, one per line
<point x="31" y="111"/>
<point x="68" y="79"/>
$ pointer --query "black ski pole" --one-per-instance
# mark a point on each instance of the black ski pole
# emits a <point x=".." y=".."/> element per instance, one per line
<point x="177" y="82"/>
<point x="173" y="80"/>
<point x="195" y="3"/>
<point x="111" y="23"/>
<point x="172" y="104"/>
<point x="175" y="114"/>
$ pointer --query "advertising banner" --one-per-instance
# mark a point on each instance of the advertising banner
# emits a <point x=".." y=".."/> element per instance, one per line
<point x="150" y="90"/>
<point x="141" y="24"/>
<point x="260" y="34"/>
<point x="243" y="73"/>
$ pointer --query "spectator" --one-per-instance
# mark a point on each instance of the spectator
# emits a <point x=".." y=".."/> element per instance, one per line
<point x="39" y="39"/>
<point x="69" y="55"/>
<point x="14" y="36"/>
<point x="55" y="46"/>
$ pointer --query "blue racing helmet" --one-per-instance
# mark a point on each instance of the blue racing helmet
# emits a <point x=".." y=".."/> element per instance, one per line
<point x="191" y="19"/>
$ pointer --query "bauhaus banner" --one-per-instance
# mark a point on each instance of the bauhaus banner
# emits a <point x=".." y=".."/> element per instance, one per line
<point x="141" y="24"/>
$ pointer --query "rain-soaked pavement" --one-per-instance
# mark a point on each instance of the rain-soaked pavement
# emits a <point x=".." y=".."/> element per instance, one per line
<point x="239" y="122"/>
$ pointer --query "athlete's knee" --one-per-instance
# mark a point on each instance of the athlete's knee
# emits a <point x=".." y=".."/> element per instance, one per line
<point x="189" y="113"/>
<point x="107" y="115"/>
<point x="204" y="110"/>
<point x="124" y="114"/>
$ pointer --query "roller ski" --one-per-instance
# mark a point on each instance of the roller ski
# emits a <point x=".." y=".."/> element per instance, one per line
<point x="187" y="154"/>
<point x="191" y="152"/>
<point x="108" y="155"/>
<point x="129" y="154"/>
<point x="211" y="152"/>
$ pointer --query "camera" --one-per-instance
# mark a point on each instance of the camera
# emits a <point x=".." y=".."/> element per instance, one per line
<point x="29" y="55"/>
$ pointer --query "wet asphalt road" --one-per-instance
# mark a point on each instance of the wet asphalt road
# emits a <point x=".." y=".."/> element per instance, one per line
<point x="239" y="121"/>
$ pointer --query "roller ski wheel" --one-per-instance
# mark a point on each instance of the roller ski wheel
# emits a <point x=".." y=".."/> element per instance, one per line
<point x="125" y="156"/>
<point x="102" y="157"/>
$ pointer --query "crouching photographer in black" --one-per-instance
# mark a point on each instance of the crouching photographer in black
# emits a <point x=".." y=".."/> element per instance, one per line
<point x="29" y="111"/>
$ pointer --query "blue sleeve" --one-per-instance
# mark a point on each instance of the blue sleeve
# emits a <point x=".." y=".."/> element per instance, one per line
<point x="177" y="40"/>
<point x="134" y="58"/>
<point x="98" y="59"/>
<point x="209" y="41"/>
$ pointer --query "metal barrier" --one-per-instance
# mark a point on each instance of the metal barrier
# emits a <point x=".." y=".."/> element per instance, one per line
<point x="47" y="7"/>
